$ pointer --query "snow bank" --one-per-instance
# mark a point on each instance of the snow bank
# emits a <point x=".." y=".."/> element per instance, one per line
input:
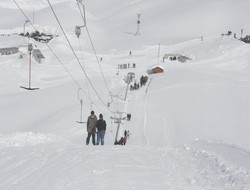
<point x="20" y="139"/>
<point x="224" y="158"/>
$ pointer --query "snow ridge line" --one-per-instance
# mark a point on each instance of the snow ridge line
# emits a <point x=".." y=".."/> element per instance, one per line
<point x="21" y="139"/>
<point x="149" y="84"/>
<point x="145" y="114"/>
<point x="145" y="119"/>
<point x="235" y="175"/>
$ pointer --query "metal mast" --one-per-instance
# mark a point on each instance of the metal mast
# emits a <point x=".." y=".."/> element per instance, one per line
<point x="138" y="25"/>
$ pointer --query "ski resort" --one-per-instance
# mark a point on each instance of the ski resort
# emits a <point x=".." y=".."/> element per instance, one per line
<point x="124" y="94"/>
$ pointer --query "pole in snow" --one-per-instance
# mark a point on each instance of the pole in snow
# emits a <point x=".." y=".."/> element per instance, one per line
<point x="81" y="103"/>
<point x="138" y="25"/>
<point x="159" y="49"/>
<point x="241" y="33"/>
<point x="30" y="48"/>
<point x="26" y="21"/>
<point x="128" y="81"/>
<point x="117" y="120"/>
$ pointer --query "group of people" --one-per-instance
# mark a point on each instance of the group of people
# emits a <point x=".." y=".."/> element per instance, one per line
<point x="143" y="81"/>
<point x="126" y="66"/>
<point x="134" y="86"/>
<point x="96" y="125"/>
<point x="123" y="140"/>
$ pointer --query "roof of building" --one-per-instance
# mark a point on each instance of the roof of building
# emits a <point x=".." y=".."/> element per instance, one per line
<point x="38" y="53"/>
<point x="8" y="49"/>
<point x="185" y="57"/>
<point x="172" y="54"/>
<point x="157" y="66"/>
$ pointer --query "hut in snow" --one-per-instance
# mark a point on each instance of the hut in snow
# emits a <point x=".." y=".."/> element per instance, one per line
<point x="9" y="51"/>
<point x="176" y="57"/>
<point x="37" y="54"/>
<point x="155" y="69"/>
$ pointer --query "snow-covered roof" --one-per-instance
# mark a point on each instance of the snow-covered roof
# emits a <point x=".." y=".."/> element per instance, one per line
<point x="155" y="66"/>
<point x="38" y="53"/>
<point x="8" y="49"/>
<point x="172" y="54"/>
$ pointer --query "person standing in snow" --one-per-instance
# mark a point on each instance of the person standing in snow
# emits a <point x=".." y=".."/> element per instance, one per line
<point x="101" y="129"/>
<point x="125" y="133"/>
<point x="91" y="127"/>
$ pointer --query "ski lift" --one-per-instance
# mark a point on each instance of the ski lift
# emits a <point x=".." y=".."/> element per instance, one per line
<point x="30" y="48"/>
<point x="81" y="103"/>
<point x="78" y="28"/>
<point x="78" y="31"/>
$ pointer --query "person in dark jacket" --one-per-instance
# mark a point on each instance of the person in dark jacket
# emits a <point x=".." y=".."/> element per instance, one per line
<point x="91" y="127"/>
<point x="101" y="129"/>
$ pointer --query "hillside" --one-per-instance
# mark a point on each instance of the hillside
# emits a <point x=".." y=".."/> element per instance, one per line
<point x="189" y="127"/>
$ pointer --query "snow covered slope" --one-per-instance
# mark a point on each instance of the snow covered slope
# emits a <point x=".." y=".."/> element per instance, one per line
<point x="189" y="127"/>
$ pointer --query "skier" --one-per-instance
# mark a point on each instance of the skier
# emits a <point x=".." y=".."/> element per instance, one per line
<point x="128" y="133"/>
<point x="125" y="133"/>
<point x="91" y="127"/>
<point x="101" y="129"/>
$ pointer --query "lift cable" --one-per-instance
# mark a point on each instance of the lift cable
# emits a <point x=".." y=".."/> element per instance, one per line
<point x="92" y="44"/>
<point x="81" y="51"/>
<point x="83" y="15"/>
<point x="74" y="80"/>
<point x="76" y="55"/>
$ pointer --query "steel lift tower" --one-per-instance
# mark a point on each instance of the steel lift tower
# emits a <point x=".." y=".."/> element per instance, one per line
<point x="138" y="25"/>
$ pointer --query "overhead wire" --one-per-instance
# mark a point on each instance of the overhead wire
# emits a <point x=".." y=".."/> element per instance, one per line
<point x="94" y="50"/>
<point x="115" y="103"/>
<point x="93" y="47"/>
<point x="74" y="80"/>
<point x="81" y="50"/>
<point x="52" y="9"/>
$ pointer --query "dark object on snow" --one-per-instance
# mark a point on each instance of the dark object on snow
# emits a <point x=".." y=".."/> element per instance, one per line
<point x="9" y="51"/>
<point x="143" y="80"/>
<point x="122" y="141"/>
<point x="91" y="127"/>
<point x="246" y="39"/>
<point x="128" y="116"/>
<point x="101" y="123"/>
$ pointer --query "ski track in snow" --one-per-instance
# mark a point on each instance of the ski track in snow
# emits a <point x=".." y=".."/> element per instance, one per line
<point x="72" y="166"/>
<point x="41" y="145"/>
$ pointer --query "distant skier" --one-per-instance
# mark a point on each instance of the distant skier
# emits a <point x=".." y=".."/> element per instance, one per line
<point x="128" y="116"/>
<point x="101" y="129"/>
<point x="91" y="127"/>
<point x="128" y="133"/>
<point x="125" y="133"/>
